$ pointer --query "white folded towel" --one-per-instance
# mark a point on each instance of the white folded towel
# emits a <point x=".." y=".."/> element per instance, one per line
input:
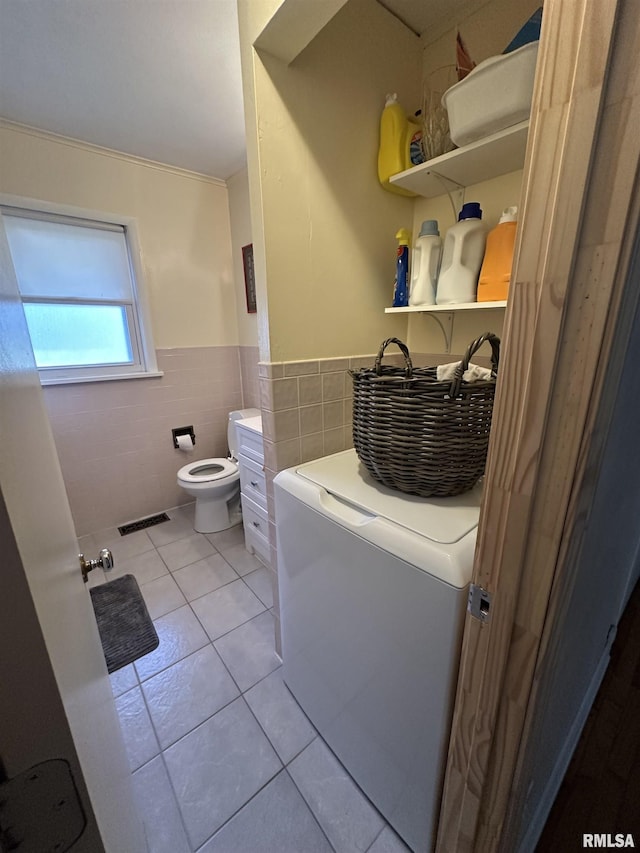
<point x="473" y="373"/>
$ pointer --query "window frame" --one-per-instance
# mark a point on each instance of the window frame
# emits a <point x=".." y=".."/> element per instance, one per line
<point x="137" y="311"/>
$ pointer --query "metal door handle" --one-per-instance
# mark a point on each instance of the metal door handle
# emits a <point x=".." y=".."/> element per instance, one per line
<point x="105" y="561"/>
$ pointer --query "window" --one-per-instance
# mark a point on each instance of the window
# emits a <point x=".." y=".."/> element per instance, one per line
<point x="83" y="305"/>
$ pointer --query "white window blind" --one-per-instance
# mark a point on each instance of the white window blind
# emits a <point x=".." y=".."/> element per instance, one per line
<point x="79" y="293"/>
<point x="69" y="259"/>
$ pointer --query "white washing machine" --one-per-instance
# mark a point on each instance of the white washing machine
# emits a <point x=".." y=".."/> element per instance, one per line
<point x="373" y="591"/>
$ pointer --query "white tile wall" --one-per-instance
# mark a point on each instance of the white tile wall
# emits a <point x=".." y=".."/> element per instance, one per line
<point x="114" y="438"/>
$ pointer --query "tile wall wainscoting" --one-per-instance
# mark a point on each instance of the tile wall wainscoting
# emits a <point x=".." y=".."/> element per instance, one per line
<point x="249" y="357"/>
<point x="114" y="438"/>
<point x="307" y="413"/>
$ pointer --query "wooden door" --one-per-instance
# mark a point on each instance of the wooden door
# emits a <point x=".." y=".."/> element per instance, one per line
<point x="55" y="700"/>
<point x="562" y="334"/>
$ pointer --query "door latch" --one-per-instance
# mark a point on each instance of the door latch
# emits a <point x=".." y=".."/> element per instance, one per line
<point x="479" y="603"/>
<point x="104" y="561"/>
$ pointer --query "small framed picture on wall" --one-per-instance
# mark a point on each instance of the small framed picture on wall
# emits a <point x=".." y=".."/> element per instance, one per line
<point x="249" y="278"/>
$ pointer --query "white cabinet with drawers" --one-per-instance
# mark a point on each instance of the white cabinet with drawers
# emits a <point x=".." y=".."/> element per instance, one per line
<point x="253" y="487"/>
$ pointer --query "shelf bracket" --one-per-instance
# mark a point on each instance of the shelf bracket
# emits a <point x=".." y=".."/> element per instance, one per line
<point x="447" y="332"/>
<point x="454" y="190"/>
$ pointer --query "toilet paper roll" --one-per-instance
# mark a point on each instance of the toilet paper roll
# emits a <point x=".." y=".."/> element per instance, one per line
<point x="185" y="442"/>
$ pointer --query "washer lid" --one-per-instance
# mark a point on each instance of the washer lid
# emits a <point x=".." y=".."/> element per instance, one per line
<point x="443" y="520"/>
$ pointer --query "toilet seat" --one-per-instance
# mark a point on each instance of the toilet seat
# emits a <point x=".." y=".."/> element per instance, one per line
<point x="208" y="470"/>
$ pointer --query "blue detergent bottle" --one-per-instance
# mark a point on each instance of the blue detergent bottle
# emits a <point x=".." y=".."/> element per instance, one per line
<point x="401" y="286"/>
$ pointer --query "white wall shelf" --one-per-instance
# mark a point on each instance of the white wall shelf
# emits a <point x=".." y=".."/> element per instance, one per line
<point x="443" y="314"/>
<point x="460" y="306"/>
<point x="487" y="158"/>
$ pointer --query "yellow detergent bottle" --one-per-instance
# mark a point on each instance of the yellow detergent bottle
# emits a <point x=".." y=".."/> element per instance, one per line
<point x="399" y="145"/>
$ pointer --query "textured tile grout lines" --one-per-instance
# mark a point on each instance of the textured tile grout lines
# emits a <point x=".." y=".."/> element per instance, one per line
<point x="183" y="531"/>
<point x="283" y="769"/>
<point x="172" y="786"/>
<point x="241" y="694"/>
<point x="211" y="642"/>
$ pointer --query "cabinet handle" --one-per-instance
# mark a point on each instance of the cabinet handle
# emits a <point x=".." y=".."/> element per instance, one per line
<point x="254" y="483"/>
<point x="256" y="523"/>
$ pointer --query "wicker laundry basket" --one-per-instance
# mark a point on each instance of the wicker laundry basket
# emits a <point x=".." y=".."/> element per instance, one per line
<point x="420" y="435"/>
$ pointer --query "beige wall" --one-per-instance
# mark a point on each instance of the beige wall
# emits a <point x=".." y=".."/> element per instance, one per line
<point x="252" y="17"/>
<point x="486" y="32"/>
<point x="324" y="229"/>
<point x="183" y="226"/>
<point x="114" y="438"/>
<point x="329" y="247"/>
<point x="241" y="235"/>
<point x="423" y="334"/>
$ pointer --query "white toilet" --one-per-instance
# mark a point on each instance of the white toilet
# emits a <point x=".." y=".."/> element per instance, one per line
<point x="215" y="483"/>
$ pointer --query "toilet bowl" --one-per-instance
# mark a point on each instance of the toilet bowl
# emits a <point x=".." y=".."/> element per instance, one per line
<point x="215" y="483"/>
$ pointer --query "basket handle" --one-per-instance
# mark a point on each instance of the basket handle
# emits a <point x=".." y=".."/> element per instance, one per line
<point x="473" y="347"/>
<point x="408" y="366"/>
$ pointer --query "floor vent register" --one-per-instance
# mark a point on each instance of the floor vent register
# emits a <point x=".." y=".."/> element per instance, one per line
<point x="143" y="523"/>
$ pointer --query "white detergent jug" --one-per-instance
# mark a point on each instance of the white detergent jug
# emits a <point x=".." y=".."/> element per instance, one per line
<point x="462" y="256"/>
<point x="426" y="264"/>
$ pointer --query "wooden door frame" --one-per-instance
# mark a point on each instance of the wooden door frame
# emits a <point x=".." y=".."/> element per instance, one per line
<point x="580" y="218"/>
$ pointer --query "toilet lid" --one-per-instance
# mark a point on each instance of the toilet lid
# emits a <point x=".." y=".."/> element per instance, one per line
<point x="207" y="470"/>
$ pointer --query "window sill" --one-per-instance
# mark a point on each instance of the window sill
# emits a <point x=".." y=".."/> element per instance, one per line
<point x="152" y="374"/>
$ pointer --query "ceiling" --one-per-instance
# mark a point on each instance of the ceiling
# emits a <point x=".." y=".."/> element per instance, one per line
<point x="430" y="18"/>
<point x="158" y="79"/>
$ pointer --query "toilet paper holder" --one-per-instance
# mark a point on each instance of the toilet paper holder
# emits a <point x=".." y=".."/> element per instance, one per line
<point x="178" y="431"/>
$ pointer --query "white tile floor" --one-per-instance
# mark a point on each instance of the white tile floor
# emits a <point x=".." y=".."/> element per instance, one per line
<point x="223" y="758"/>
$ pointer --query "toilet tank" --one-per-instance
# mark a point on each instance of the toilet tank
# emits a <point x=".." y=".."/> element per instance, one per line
<point x="237" y="415"/>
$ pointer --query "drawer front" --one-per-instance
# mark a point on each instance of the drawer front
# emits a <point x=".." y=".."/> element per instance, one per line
<point x="256" y="529"/>
<point x="253" y="482"/>
<point x="250" y="444"/>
